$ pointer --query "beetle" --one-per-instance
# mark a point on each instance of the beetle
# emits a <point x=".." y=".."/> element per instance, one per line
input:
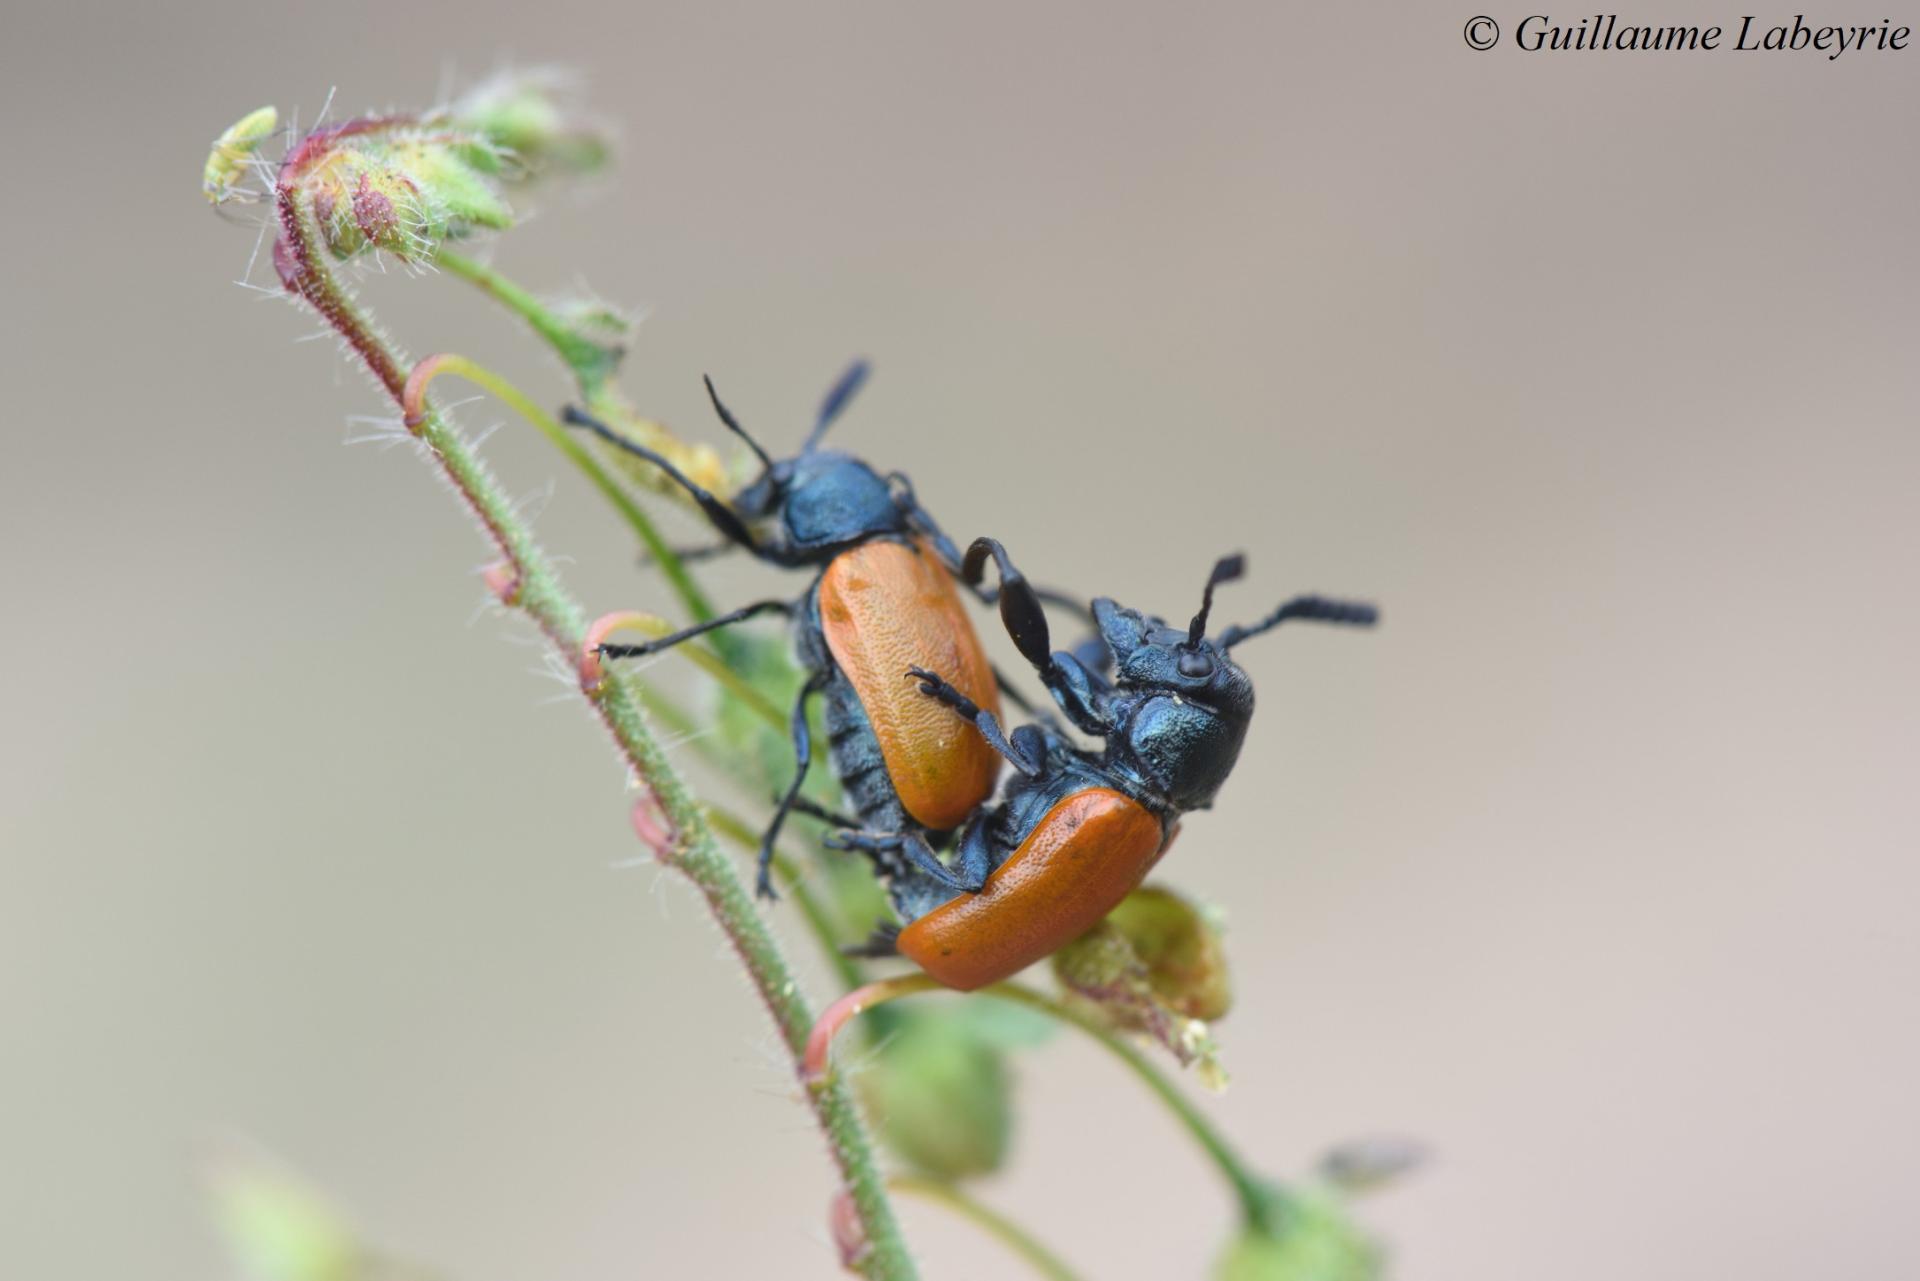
<point x="1076" y="830"/>
<point x="883" y="599"/>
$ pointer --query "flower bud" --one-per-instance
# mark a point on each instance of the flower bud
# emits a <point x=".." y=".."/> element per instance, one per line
<point x="939" y="1097"/>
<point x="1313" y="1240"/>
<point x="521" y="113"/>
<point x="456" y="172"/>
<point x="1155" y="965"/>
<point x="360" y="202"/>
<point x="592" y="338"/>
<point x="1182" y="949"/>
<point x="399" y="188"/>
<point x="233" y="151"/>
<point x="849" y="1233"/>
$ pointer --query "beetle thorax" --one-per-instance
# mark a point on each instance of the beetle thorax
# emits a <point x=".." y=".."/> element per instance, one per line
<point x="834" y="498"/>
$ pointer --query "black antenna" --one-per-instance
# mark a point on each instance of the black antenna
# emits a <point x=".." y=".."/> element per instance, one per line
<point x="1312" y="609"/>
<point x="724" y="518"/>
<point x="733" y="425"/>
<point x="1225" y="570"/>
<point x="838" y="395"/>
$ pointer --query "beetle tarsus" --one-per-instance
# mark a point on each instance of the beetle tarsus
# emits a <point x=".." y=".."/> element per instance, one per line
<point x="801" y="805"/>
<point x="967" y="879"/>
<point x="660" y="644"/>
<point x="1026" y="751"/>
<point x="937" y="687"/>
<point x="882" y="943"/>
<point x="763" y="876"/>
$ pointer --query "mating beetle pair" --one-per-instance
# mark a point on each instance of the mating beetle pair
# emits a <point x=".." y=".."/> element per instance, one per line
<point x="912" y="711"/>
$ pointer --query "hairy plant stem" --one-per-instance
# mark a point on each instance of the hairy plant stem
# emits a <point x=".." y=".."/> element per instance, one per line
<point x="821" y="925"/>
<point x="413" y="404"/>
<point x="991" y="1221"/>
<point x="302" y="266"/>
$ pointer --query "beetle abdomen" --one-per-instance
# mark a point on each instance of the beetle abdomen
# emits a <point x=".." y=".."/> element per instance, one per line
<point x="1086" y="854"/>
<point x="884" y="607"/>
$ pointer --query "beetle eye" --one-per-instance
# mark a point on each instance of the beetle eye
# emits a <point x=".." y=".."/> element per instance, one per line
<point x="1195" y="664"/>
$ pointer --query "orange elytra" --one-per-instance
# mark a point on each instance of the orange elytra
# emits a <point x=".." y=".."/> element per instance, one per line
<point x="1090" y="851"/>
<point x="884" y="607"/>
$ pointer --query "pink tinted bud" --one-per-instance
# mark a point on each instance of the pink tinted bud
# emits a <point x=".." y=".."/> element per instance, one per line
<point x="592" y="672"/>
<point x="503" y="580"/>
<point x="849" y="1234"/>
<point x="652" y="827"/>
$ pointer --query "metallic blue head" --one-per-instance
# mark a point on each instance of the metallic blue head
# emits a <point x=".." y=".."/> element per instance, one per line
<point x="818" y="500"/>
<point x="1188" y="703"/>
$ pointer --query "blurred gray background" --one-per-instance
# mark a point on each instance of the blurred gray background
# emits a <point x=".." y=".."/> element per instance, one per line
<point x="1593" y="868"/>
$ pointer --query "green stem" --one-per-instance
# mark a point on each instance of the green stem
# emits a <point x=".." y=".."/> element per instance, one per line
<point x="996" y="1225"/>
<point x="826" y="932"/>
<point x="820" y="923"/>
<point x="563" y="440"/>
<point x="542" y="597"/>
<point x="590" y="363"/>
<point x="1256" y="1196"/>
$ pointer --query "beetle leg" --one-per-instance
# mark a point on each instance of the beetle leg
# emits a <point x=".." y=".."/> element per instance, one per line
<point x="1025" y="752"/>
<point x="801" y="805"/>
<point x="878" y="945"/>
<point x="1013" y="695"/>
<point x="1083" y="695"/>
<point x="974" y="854"/>
<point x="967" y="879"/>
<point x="667" y="642"/>
<point x="688" y="554"/>
<point x="802" y="757"/>
<point x="724" y="518"/>
<point x="956" y="564"/>
<point x="1020" y="609"/>
<point x="914" y="848"/>
<point x="1093" y="654"/>
<point x="909" y="504"/>
<point x="1029" y="744"/>
<point x="864" y="842"/>
<point x="881" y="848"/>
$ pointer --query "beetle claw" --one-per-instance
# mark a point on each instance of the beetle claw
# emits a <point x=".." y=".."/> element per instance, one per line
<point x="763" y="884"/>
